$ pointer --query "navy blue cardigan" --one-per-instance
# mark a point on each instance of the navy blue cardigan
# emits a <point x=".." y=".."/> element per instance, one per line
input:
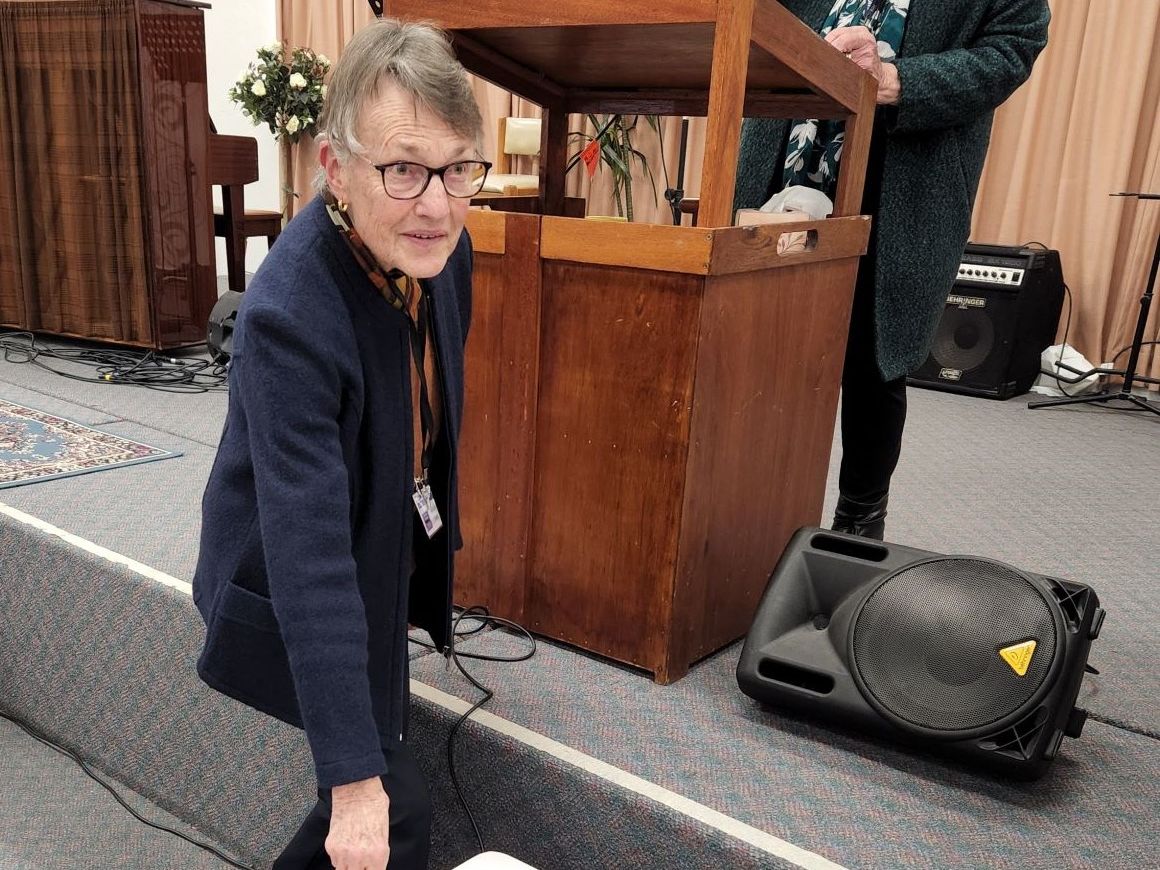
<point x="311" y="564"/>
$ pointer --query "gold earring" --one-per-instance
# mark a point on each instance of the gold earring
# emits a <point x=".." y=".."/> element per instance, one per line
<point x="342" y="206"/>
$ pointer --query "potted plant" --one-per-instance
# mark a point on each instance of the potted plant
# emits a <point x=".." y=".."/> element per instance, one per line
<point x="611" y="146"/>
<point x="285" y="94"/>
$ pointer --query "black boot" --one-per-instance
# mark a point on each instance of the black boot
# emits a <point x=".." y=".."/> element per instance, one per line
<point x="867" y="519"/>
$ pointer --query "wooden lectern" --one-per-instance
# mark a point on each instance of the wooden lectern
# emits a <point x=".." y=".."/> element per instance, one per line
<point x="650" y="408"/>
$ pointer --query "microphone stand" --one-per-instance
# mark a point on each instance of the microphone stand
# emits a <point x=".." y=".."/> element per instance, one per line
<point x="1129" y="374"/>
<point x="674" y="195"/>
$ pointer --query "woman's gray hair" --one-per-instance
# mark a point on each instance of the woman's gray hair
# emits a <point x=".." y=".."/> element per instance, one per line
<point x="415" y="56"/>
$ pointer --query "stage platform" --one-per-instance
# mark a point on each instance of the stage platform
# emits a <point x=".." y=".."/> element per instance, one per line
<point x="581" y="763"/>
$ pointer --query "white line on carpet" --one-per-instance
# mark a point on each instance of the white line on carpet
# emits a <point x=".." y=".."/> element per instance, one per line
<point x="747" y="833"/>
<point x="714" y="819"/>
<point x="97" y="549"/>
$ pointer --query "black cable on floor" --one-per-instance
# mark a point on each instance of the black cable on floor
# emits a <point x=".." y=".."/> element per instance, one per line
<point x="147" y="369"/>
<point x="485" y="620"/>
<point x="1124" y="726"/>
<point x="66" y="752"/>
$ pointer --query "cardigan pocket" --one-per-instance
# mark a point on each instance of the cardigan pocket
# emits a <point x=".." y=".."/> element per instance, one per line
<point x="244" y="656"/>
<point x="249" y="608"/>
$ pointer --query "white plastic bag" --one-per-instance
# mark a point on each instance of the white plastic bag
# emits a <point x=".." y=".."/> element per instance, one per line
<point x="797" y="197"/>
<point x="1065" y="353"/>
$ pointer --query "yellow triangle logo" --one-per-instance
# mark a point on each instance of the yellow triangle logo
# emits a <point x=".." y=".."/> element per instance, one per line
<point x="1019" y="656"/>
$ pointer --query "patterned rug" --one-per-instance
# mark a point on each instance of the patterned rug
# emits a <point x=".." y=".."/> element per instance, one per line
<point x="35" y="446"/>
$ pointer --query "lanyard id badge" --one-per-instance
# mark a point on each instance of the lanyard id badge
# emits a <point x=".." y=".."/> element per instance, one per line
<point x="425" y="505"/>
<point x="422" y="496"/>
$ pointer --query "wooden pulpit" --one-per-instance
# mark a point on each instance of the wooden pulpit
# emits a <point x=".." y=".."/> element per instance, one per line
<point x="650" y="409"/>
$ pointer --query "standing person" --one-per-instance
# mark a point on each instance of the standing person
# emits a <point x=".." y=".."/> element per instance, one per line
<point x="330" y="514"/>
<point x="943" y="67"/>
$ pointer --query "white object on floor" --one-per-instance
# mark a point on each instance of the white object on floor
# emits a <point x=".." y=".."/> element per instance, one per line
<point x="1065" y="353"/>
<point x="494" y="861"/>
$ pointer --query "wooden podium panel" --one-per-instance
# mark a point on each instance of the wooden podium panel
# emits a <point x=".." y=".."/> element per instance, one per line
<point x="649" y="418"/>
<point x="618" y="360"/>
<point x="497" y="446"/>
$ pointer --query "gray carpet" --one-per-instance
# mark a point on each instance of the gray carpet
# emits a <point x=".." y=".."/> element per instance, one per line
<point x="857" y="801"/>
<point x="146" y="512"/>
<point x="53" y="817"/>
<point x="101" y="660"/>
<point x="1070" y="492"/>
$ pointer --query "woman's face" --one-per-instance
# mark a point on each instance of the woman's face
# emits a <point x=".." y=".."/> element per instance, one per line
<point x="416" y="236"/>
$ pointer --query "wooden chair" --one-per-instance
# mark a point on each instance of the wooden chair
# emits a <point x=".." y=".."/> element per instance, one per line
<point x="233" y="163"/>
<point x="517" y="136"/>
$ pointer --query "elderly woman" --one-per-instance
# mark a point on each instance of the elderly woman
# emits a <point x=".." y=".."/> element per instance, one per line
<point x="942" y="66"/>
<point x="330" y="515"/>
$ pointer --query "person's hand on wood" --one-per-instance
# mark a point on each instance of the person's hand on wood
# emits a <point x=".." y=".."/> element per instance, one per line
<point x="860" y="46"/>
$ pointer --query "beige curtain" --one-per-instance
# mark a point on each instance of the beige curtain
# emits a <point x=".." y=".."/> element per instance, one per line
<point x="1086" y="125"/>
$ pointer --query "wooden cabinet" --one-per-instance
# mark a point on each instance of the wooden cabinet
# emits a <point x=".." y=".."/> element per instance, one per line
<point x="106" y="219"/>
<point x="649" y="418"/>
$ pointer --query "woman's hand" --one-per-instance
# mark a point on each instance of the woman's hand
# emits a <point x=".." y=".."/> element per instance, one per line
<point x="859" y="44"/>
<point x="359" y="826"/>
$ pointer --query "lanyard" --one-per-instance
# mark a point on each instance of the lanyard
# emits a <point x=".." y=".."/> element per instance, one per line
<point x="417" y="327"/>
<point x="388" y="284"/>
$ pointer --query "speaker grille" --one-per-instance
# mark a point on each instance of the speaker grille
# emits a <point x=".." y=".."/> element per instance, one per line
<point x="926" y="644"/>
<point x="964" y="339"/>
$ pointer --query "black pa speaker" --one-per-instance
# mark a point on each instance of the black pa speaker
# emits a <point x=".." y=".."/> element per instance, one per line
<point x="219" y="333"/>
<point x="963" y="655"/>
<point x="1000" y="316"/>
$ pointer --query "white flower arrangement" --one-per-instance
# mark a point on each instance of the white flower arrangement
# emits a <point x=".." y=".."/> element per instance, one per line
<point x="286" y="95"/>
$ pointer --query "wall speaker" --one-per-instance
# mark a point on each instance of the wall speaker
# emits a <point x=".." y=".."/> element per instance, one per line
<point x="1001" y="314"/>
<point x="958" y="654"/>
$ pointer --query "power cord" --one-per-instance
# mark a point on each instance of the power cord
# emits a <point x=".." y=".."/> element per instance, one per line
<point x="1127" y="347"/>
<point x="485" y="620"/>
<point x="1066" y="328"/>
<point x="70" y="754"/>
<point x="1063" y="344"/>
<point x="117" y="366"/>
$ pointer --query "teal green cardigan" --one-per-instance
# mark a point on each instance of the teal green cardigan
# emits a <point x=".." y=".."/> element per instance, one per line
<point x="959" y="60"/>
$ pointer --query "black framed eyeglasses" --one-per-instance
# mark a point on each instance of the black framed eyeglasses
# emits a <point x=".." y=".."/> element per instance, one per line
<point x="405" y="180"/>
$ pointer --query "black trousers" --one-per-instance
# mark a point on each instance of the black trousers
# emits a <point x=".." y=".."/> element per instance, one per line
<point x="410" y="836"/>
<point x="873" y="410"/>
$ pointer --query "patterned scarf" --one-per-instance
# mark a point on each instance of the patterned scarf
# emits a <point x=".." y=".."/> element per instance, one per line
<point x="815" y="147"/>
<point x="394" y="286"/>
